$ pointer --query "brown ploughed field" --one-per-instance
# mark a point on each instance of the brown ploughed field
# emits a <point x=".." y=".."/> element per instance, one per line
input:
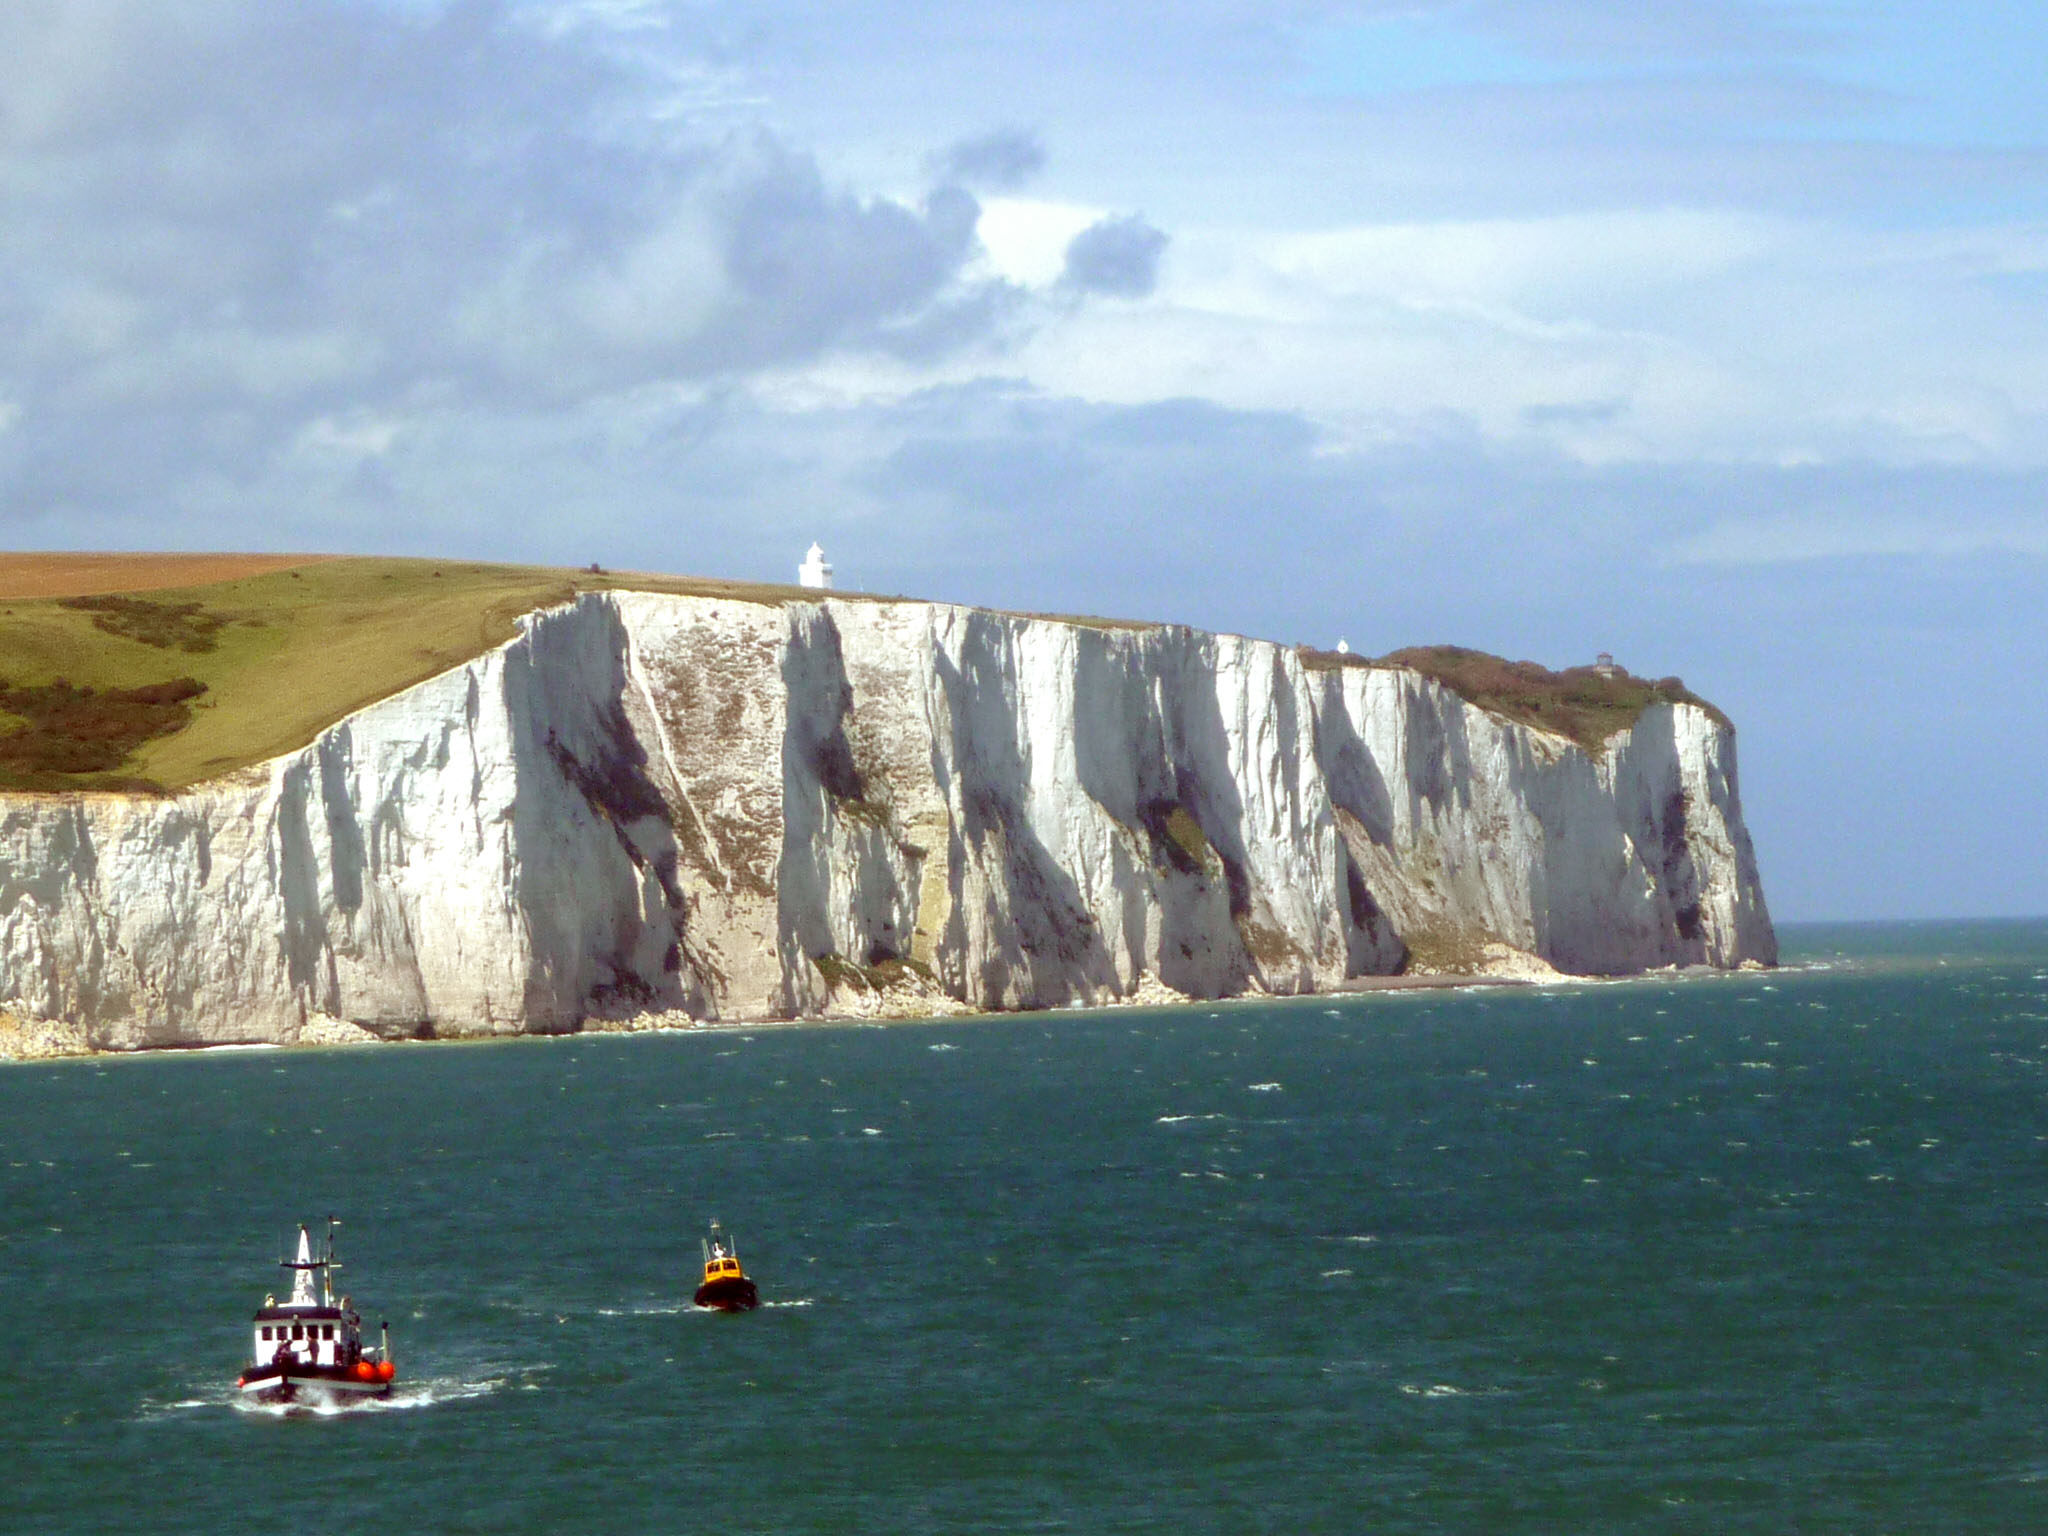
<point x="69" y="574"/>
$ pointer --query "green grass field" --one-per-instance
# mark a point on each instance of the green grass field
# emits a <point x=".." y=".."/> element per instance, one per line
<point x="280" y="657"/>
<point x="151" y="689"/>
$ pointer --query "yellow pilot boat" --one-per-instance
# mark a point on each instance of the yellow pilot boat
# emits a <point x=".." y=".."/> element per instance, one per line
<point x="726" y="1287"/>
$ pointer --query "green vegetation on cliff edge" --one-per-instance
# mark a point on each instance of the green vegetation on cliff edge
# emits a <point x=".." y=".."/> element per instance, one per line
<point x="1579" y="702"/>
<point x="160" y="690"/>
<point x="275" y="658"/>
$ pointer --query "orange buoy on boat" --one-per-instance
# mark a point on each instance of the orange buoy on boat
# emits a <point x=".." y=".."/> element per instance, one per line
<point x="386" y="1370"/>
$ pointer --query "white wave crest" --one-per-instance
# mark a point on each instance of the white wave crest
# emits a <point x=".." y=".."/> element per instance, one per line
<point x="429" y="1392"/>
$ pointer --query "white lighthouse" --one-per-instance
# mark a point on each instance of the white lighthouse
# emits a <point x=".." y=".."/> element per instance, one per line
<point x="816" y="571"/>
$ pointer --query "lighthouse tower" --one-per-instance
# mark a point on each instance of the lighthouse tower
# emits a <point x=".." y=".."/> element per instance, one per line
<point x="816" y="571"/>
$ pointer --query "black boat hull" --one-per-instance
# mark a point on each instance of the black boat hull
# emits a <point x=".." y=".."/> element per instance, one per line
<point x="728" y="1295"/>
<point x="308" y="1383"/>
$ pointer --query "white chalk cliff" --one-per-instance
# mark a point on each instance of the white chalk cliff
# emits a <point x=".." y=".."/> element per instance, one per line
<point x="740" y="810"/>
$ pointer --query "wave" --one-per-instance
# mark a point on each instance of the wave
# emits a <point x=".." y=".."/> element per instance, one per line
<point x="153" y="1411"/>
<point x="691" y="1309"/>
<point x="1178" y="1119"/>
<point x="428" y="1392"/>
<point x="765" y="1306"/>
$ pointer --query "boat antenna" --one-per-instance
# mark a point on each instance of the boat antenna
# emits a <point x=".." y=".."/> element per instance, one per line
<point x="327" y="1259"/>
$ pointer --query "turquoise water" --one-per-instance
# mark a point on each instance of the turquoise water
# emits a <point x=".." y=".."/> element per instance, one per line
<point x="1761" y="1253"/>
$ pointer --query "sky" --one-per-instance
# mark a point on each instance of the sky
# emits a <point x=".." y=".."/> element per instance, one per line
<point x="1714" y="335"/>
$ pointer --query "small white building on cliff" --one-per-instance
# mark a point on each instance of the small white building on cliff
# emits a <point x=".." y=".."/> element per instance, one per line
<point x="816" y="571"/>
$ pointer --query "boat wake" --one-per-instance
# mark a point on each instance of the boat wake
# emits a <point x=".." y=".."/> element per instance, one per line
<point x="427" y="1393"/>
<point x="763" y="1306"/>
<point x="404" y="1397"/>
<point x="154" y="1411"/>
<point x="689" y="1309"/>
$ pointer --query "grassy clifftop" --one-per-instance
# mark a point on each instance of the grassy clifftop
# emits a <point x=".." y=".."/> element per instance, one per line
<point x="113" y="679"/>
<point x="156" y="688"/>
<point x="1577" y="703"/>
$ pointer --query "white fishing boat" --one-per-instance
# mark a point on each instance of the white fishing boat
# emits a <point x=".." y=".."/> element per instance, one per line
<point x="309" y="1348"/>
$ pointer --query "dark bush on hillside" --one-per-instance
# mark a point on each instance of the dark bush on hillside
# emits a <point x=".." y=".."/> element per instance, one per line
<point x="66" y="731"/>
<point x="167" y="626"/>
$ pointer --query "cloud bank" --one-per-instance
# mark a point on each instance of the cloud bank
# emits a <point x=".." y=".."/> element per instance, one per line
<point x="1711" y="333"/>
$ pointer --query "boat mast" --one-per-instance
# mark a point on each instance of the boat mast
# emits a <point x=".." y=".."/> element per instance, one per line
<point x="302" y="1271"/>
<point x="329" y="1265"/>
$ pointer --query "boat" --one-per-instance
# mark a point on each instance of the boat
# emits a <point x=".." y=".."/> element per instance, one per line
<point x="726" y="1287"/>
<point x="309" y="1348"/>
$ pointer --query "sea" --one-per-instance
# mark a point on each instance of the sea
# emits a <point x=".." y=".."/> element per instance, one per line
<point x="1748" y="1253"/>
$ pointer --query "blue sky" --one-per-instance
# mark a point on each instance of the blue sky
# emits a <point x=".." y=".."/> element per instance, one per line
<point x="1710" y="334"/>
<point x="1923" y="73"/>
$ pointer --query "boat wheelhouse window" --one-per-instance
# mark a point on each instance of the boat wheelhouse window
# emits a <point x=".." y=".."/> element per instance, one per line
<point x="327" y="1330"/>
<point x="298" y="1330"/>
<point x="266" y="1333"/>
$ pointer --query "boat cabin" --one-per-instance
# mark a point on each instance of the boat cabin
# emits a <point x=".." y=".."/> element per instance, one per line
<point x="721" y="1257"/>
<point x="309" y="1327"/>
<point x="307" y="1336"/>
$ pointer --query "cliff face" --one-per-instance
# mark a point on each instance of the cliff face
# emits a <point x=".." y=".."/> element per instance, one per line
<point x="652" y="803"/>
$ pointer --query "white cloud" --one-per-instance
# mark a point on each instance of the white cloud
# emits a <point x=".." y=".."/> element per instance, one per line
<point x="564" y="16"/>
<point x="1026" y="239"/>
<point x="1661" y="335"/>
<point x="1562" y="261"/>
<point x="356" y="436"/>
<point x="414" y="210"/>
